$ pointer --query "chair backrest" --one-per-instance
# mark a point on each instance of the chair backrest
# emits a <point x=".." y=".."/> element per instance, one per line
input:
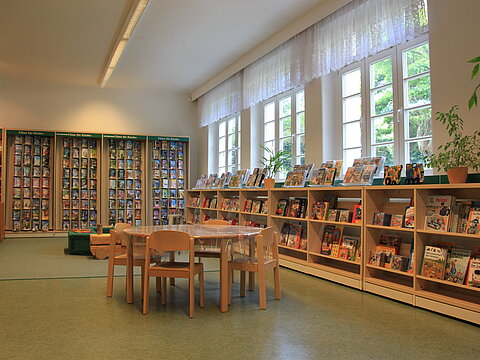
<point x="174" y="219"/>
<point x="170" y="240"/>
<point x="216" y="222"/>
<point x="118" y="234"/>
<point x="267" y="243"/>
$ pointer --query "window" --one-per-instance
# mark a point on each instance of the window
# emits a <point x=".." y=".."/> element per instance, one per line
<point x="284" y="125"/>
<point x="386" y="106"/>
<point x="229" y="144"/>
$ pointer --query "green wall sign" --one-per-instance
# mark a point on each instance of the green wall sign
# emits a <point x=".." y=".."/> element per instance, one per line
<point x="169" y="138"/>
<point x="83" y="135"/>
<point x="124" y="137"/>
<point x="28" y="132"/>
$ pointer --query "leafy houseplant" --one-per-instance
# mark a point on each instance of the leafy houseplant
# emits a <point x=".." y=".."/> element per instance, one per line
<point x="273" y="163"/>
<point x="474" y="98"/>
<point x="463" y="151"/>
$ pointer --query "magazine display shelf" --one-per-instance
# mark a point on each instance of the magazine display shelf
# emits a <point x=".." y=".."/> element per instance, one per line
<point x="445" y="297"/>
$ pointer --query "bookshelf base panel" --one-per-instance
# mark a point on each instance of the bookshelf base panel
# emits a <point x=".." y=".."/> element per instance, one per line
<point x="338" y="278"/>
<point x="389" y="293"/>
<point x="446" y="309"/>
<point x="293" y="265"/>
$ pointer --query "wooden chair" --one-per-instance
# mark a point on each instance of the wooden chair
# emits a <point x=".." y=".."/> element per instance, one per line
<point x="117" y="237"/>
<point x="212" y="251"/>
<point x="169" y="240"/>
<point x="264" y="257"/>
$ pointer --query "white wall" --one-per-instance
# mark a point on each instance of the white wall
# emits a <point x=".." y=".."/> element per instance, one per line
<point x="454" y="39"/>
<point x="41" y="106"/>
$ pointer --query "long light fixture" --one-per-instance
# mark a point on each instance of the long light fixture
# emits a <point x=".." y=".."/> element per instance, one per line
<point x="131" y="20"/>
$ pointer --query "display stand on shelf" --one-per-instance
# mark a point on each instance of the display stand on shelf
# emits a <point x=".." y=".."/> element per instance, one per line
<point x="168" y="177"/>
<point x="125" y="173"/>
<point x="29" y="176"/>
<point x="78" y="159"/>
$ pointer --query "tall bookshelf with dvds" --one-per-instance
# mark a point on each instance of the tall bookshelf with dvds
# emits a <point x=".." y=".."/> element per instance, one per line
<point x="125" y="173"/>
<point x="78" y="159"/>
<point x="29" y="176"/>
<point x="168" y="177"/>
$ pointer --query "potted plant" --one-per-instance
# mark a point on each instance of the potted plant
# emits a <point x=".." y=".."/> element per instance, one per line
<point x="459" y="154"/>
<point x="273" y="163"/>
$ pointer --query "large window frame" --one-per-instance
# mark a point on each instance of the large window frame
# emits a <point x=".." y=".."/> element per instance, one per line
<point x="229" y="144"/>
<point x="401" y="138"/>
<point x="277" y="134"/>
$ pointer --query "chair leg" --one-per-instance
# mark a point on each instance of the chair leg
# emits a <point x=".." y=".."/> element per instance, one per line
<point x="158" y="284"/>
<point x="230" y="276"/>
<point x="145" y="293"/>
<point x="201" y="277"/>
<point x="191" y="286"/>
<point x="262" y="289"/>
<point x="111" y="273"/>
<point x="242" y="283"/>
<point x="143" y="277"/>
<point x="276" y="277"/>
<point x="251" y="281"/>
<point x="164" y="291"/>
<point x="172" y="258"/>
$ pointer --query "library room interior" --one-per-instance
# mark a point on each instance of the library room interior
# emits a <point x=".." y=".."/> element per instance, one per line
<point x="296" y="179"/>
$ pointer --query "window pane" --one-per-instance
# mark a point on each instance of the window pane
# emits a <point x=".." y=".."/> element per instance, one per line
<point x="221" y="169"/>
<point x="221" y="159"/>
<point x="285" y="107"/>
<point x="300" y="160"/>
<point x="231" y="141"/>
<point x="301" y="145"/>
<point x="269" y="131"/>
<point x="382" y="129"/>
<point x="300" y="106"/>
<point x="352" y="108"/>
<point x="381" y="73"/>
<point x="221" y="144"/>
<point x="419" y="122"/>
<point x="417" y="149"/>
<point x="352" y="135"/>
<point x="232" y="125"/>
<point x="269" y="112"/>
<point x="301" y="123"/>
<point x="232" y="169"/>
<point x="417" y="91"/>
<point x="221" y="128"/>
<point x="232" y="157"/>
<point x="350" y="155"/>
<point x="285" y="127"/>
<point x="270" y="145"/>
<point x="239" y="137"/>
<point x="417" y="60"/>
<point x="285" y="144"/>
<point x="382" y="101"/>
<point x="384" y="150"/>
<point x="351" y="83"/>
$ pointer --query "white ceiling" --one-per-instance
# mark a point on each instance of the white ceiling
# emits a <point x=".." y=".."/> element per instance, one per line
<point x="177" y="45"/>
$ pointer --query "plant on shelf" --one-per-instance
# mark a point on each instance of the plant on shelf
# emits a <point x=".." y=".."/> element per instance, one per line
<point x="459" y="154"/>
<point x="474" y="98"/>
<point x="273" y="162"/>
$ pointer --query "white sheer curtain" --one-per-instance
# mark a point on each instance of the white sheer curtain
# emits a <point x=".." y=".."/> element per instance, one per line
<point x="357" y="30"/>
<point x="223" y="100"/>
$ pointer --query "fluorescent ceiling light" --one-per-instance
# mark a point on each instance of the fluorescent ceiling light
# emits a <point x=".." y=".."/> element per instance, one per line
<point x="131" y="20"/>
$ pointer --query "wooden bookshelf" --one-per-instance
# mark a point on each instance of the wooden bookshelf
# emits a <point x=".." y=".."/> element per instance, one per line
<point x="410" y="287"/>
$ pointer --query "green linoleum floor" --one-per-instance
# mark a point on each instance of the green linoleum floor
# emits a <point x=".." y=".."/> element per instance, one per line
<point x="72" y="319"/>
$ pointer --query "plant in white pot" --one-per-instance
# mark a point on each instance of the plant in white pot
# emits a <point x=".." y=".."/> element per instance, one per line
<point x="273" y="162"/>
<point x="459" y="154"/>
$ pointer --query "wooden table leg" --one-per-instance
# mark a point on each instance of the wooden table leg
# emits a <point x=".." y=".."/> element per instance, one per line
<point x="251" y="275"/>
<point x="223" y="276"/>
<point x="172" y="259"/>
<point x="130" y="270"/>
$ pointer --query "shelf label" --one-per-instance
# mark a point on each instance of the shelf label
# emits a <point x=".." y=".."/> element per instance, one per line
<point x="27" y="132"/>
<point x="84" y="135"/>
<point x="124" y="137"/>
<point x="169" y="138"/>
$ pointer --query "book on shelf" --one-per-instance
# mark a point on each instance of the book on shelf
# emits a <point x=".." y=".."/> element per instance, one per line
<point x="437" y="218"/>
<point x="389" y="251"/>
<point x="357" y="214"/>
<point x="294" y="236"/>
<point x="473" y="225"/>
<point x="344" y="215"/>
<point x="284" y="232"/>
<point x="390" y="240"/>
<point x="392" y="174"/>
<point x="409" y="221"/>
<point x="264" y="209"/>
<point x="377" y="258"/>
<point x="306" y="167"/>
<point x="248" y="205"/>
<point x="381" y="219"/>
<point x="295" y="178"/>
<point x="473" y="274"/>
<point x="281" y="209"/>
<point x="319" y="210"/>
<point x="434" y="262"/>
<point x="396" y="221"/>
<point x="336" y="241"/>
<point x="331" y="235"/>
<point x="457" y="265"/>
<point x="350" y="244"/>
<point x="332" y="215"/>
<point x="400" y="263"/>
<point x="256" y="206"/>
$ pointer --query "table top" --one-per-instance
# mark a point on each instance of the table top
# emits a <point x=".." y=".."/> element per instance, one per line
<point x="198" y="230"/>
